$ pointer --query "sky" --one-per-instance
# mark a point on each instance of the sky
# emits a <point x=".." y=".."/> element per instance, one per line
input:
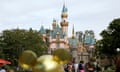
<point x="93" y="15"/>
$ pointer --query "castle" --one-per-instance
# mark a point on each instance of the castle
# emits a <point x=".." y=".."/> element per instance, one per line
<point x="58" y="37"/>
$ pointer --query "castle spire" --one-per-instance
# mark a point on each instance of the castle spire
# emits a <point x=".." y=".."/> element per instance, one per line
<point x="73" y="31"/>
<point x="64" y="22"/>
<point x="64" y="11"/>
<point x="54" y="23"/>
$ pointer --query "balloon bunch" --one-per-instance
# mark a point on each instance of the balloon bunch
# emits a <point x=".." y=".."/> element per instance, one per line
<point x="45" y="63"/>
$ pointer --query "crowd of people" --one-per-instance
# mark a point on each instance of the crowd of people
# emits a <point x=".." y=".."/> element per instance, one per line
<point x="82" y="67"/>
<point x="4" y="69"/>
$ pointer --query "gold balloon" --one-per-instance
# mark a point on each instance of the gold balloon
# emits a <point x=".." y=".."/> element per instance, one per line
<point x="62" y="56"/>
<point x="28" y="59"/>
<point x="46" y="63"/>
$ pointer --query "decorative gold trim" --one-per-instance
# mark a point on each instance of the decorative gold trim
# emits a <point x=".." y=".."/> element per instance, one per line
<point x="64" y="15"/>
<point x="64" y="23"/>
<point x="59" y="42"/>
<point x="53" y="24"/>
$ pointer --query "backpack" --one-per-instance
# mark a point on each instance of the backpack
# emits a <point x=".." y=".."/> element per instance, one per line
<point x="80" y="66"/>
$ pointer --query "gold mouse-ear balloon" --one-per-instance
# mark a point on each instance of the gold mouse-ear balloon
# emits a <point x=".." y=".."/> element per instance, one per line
<point x="27" y="59"/>
<point x="46" y="63"/>
<point x="62" y="56"/>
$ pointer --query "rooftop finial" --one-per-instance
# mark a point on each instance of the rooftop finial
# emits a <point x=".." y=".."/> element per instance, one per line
<point x="64" y="2"/>
<point x="64" y="8"/>
<point x="73" y="31"/>
<point x="41" y="23"/>
<point x="64" y="11"/>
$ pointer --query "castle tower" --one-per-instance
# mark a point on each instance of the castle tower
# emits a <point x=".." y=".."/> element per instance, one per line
<point x="43" y="32"/>
<point x="64" y="23"/>
<point x="54" y="24"/>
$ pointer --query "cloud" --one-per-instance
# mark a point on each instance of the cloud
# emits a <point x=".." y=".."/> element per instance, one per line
<point x="84" y="14"/>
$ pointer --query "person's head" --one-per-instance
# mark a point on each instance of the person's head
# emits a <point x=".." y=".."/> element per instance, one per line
<point x="3" y="67"/>
<point x="81" y="61"/>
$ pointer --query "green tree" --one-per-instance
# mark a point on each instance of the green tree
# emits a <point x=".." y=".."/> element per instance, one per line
<point x="14" y="42"/>
<point x="110" y="39"/>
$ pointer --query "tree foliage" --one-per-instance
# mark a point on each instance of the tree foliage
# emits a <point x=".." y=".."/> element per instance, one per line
<point x="14" y="41"/>
<point x="110" y="39"/>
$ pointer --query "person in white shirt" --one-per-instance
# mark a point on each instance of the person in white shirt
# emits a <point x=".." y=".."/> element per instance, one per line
<point x="3" y="69"/>
<point x="76" y="67"/>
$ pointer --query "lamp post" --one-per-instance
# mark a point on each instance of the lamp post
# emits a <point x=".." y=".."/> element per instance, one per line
<point x="117" y="61"/>
<point x="118" y="49"/>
